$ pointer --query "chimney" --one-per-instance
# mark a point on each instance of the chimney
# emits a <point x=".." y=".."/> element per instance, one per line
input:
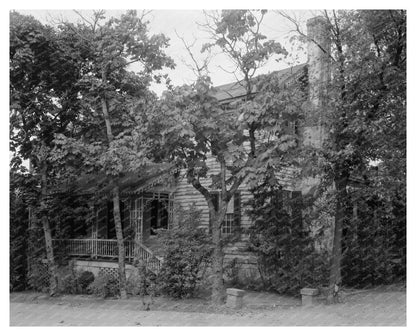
<point x="319" y="44"/>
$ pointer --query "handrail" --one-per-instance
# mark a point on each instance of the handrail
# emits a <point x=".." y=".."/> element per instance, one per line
<point x="108" y="248"/>
<point x="144" y="247"/>
<point x="149" y="257"/>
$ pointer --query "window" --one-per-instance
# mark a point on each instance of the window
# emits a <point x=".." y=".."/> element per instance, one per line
<point x="228" y="224"/>
<point x="233" y="216"/>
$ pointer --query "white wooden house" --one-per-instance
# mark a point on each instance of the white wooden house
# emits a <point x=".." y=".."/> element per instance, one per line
<point x="148" y="202"/>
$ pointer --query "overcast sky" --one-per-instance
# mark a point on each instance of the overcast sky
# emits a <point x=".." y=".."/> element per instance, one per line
<point x="184" y="22"/>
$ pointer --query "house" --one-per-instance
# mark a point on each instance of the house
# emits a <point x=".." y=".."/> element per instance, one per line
<point x="148" y="202"/>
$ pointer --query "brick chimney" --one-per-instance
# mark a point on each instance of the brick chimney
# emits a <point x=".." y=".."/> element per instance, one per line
<point x="318" y="75"/>
<point x="314" y="131"/>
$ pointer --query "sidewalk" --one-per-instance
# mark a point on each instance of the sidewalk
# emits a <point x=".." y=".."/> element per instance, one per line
<point x="380" y="309"/>
<point x="252" y="301"/>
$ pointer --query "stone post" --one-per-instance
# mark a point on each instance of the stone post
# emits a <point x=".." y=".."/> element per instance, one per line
<point x="309" y="296"/>
<point x="235" y="298"/>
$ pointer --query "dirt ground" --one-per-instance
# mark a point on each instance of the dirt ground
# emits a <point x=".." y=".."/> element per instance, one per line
<point x="382" y="307"/>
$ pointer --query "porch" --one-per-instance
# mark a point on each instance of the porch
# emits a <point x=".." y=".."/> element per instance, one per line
<point x="107" y="249"/>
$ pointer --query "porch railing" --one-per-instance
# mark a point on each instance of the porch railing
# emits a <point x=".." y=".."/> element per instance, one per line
<point x="107" y="248"/>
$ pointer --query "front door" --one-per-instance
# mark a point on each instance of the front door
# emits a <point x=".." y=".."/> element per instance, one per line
<point x="150" y="213"/>
<point x="159" y="216"/>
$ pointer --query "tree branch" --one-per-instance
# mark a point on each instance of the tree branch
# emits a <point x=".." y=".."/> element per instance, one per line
<point x="300" y="32"/>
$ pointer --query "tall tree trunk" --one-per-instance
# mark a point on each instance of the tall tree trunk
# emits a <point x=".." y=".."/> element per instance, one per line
<point x="217" y="216"/>
<point x="218" y="289"/>
<point x="120" y="242"/>
<point x="116" y="205"/>
<point x="336" y="256"/>
<point x="52" y="269"/>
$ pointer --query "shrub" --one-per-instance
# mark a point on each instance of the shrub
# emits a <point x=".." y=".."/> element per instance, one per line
<point x="68" y="280"/>
<point x="72" y="281"/>
<point x="188" y="251"/>
<point x="104" y="285"/>
<point x="84" y="280"/>
<point x="142" y="281"/>
<point x="236" y="276"/>
<point x="231" y="273"/>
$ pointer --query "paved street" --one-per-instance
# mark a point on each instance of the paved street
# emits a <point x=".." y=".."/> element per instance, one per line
<point x="373" y="309"/>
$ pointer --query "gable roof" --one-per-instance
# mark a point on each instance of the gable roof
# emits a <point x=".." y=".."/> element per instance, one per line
<point x="235" y="90"/>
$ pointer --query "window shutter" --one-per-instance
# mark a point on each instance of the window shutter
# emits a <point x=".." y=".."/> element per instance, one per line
<point x="297" y="205"/>
<point x="215" y="199"/>
<point x="237" y="210"/>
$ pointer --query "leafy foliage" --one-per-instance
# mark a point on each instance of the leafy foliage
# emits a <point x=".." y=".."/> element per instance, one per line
<point x="365" y="126"/>
<point x="72" y="281"/>
<point x="287" y="259"/>
<point x="367" y="100"/>
<point x="244" y="136"/>
<point x="142" y="281"/>
<point x="84" y="280"/>
<point x="76" y="108"/>
<point x="113" y="100"/>
<point x="43" y="101"/>
<point x="188" y="251"/>
<point x="105" y="285"/>
<point x="22" y="195"/>
<point x="374" y="241"/>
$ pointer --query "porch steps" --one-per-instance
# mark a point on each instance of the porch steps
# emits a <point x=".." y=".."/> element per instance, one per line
<point x="152" y="260"/>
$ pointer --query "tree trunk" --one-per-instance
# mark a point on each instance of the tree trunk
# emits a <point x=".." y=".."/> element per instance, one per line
<point x="120" y="243"/>
<point x="116" y="207"/>
<point x="218" y="289"/>
<point x="52" y="269"/>
<point x="217" y="216"/>
<point x="336" y="257"/>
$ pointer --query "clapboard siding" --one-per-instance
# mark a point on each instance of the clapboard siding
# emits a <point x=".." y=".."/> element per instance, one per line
<point x="185" y="194"/>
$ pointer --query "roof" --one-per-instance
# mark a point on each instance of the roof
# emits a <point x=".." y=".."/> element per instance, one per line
<point x="129" y="183"/>
<point x="236" y="89"/>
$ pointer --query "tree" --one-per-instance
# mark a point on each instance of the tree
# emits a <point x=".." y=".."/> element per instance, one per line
<point x="245" y="137"/>
<point x="113" y="101"/>
<point x="42" y="103"/>
<point x="366" y="100"/>
<point x="22" y="193"/>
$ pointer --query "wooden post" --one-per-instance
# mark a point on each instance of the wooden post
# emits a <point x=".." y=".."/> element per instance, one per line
<point x="95" y="248"/>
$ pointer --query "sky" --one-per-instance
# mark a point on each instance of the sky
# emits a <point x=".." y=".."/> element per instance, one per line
<point x="183" y="23"/>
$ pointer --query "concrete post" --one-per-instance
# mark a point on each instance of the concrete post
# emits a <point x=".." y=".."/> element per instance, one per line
<point x="235" y="298"/>
<point x="309" y="296"/>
